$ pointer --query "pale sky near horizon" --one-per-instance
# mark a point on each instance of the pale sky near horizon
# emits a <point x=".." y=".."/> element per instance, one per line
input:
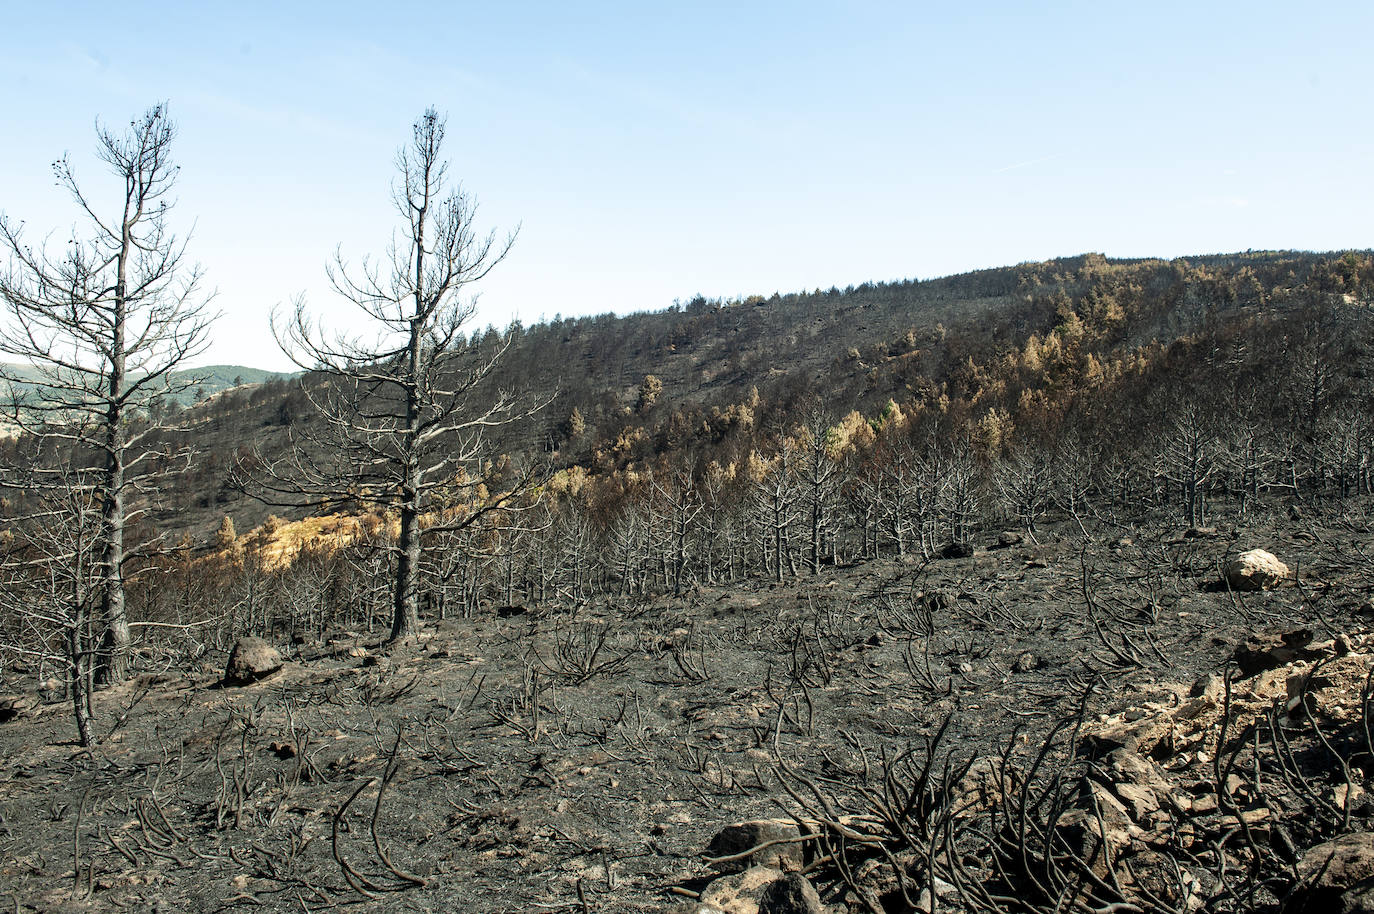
<point x="653" y="152"/>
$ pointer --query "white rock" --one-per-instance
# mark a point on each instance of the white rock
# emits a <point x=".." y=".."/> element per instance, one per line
<point x="1255" y="570"/>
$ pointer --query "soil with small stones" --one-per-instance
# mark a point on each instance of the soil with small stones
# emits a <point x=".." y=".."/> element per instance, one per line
<point x="582" y="760"/>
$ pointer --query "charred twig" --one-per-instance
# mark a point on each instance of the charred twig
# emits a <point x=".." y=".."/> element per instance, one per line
<point x="77" y="892"/>
<point x="357" y="880"/>
<point x="578" y="655"/>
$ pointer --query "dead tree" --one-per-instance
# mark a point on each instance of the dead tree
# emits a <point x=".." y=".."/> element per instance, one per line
<point x="890" y="484"/>
<point x="105" y="321"/>
<point x="51" y="583"/>
<point x="959" y="494"/>
<point x="775" y="499"/>
<point x="1023" y="480"/>
<point x="681" y="504"/>
<point x="403" y="418"/>
<point x="820" y="472"/>
<point x="627" y="535"/>
<point x="1190" y="458"/>
<point x="861" y="503"/>
<point x="1317" y="356"/>
<point x="1074" y="464"/>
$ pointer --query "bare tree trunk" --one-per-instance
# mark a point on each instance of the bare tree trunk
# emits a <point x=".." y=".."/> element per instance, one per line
<point x="114" y="666"/>
<point x="81" y="695"/>
<point x="114" y="652"/>
<point x="405" y="620"/>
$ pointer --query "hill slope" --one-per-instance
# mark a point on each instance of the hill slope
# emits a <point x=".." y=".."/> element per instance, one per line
<point x="1030" y="344"/>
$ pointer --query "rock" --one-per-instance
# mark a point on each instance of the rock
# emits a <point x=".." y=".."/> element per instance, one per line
<point x="1347" y="795"/>
<point x="1152" y="735"/>
<point x="792" y="894"/>
<point x="1328" y="872"/>
<point x="51" y="691"/>
<point x="1257" y="655"/>
<point x="1194" y="533"/>
<point x="1208" y="685"/>
<point x="1358" y="900"/>
<point x="982" y="787"/>
<point x="1300" y="684"/>
<point x="1137" y="782"/>
<point x="937" y="601"/>
<point x="957" y="551"/>
<point x="695" y="907"/>
<point x="1025" y="663"/>
<point x="742" y="892"/>
<point x="1096" y="800"/>
<point x="1164" y="878"/>
<point x="1255" y="570"/>
<point x="14" y="706"/>
<point x="1205" y="804"/>
<point x="1083" y="833"/>
<point x="1298" y="637"/>
<point x="1253" y="658"/>
<point x="739" y="837"/>
<point x="251" y="659"/>
<point x="944" y="892"/>
<point x="1009" y="538"/>
<point x="761" y="890"/>
<point x="1140" y="802"/>
<point x="1127" y="767"/>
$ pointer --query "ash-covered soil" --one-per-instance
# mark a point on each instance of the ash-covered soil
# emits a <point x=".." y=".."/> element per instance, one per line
<point x="582" y="760"/>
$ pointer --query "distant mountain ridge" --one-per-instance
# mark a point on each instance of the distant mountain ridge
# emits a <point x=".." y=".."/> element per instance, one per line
<point x="223" y="377"/>
<point x="212" y="379"/>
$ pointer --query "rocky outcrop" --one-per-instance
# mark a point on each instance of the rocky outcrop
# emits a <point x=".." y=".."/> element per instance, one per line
<point x="1258" y="655"/>
<point x="1272" y="668"/>
<point x="1134" y="809"/>
<point x="792" y="894"/>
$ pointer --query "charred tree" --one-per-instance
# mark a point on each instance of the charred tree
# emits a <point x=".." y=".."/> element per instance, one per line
<point x="104" y="323"/>
<point x="403" y="418"/>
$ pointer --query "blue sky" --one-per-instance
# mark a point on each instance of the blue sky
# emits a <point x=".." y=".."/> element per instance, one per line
<point x="651" y="152"/>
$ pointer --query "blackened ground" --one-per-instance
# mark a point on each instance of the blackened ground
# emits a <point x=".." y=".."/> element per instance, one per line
<point x="582" y="760"/>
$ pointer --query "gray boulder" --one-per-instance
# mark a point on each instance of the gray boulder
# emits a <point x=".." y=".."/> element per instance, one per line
<point x="250" y="660"/>
<point x="739" y="837"/>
